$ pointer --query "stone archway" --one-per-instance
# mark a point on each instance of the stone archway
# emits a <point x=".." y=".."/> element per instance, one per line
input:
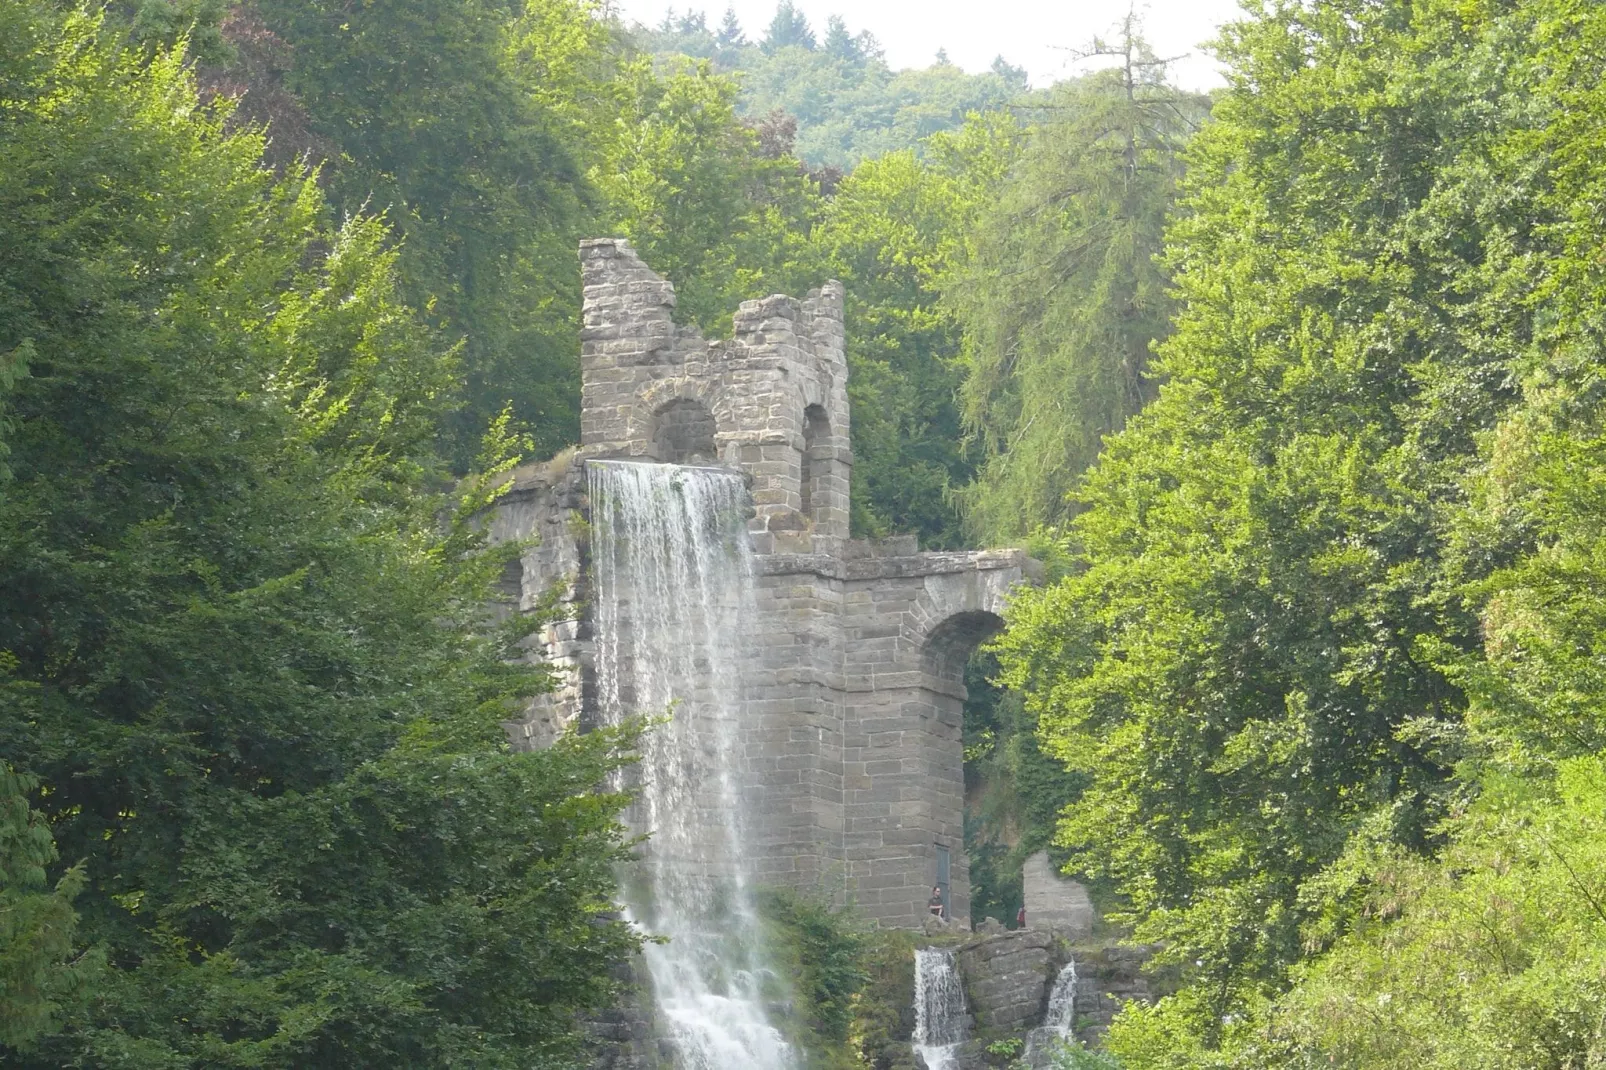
<point x="948" y="646"/>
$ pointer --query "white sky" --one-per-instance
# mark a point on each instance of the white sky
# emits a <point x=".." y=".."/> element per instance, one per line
<point x="1034" y="34"/>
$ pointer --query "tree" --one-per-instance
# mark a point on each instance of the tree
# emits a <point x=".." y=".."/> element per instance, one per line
<point x="1013" y="76"/>
<point x="692" y="187"/>
<point x="1064" y="297"/>
<point x="1251" y="659"/>
<point x="246" y="651"/>
<point x="893" y="233"/>
<point x="730" y="33"/>
<point x="432" y="126"/>
<point x="692" y="23"/>
<point x="36" y="920"/>
<point x="839" y="43"/>
<point x="788" y="29"/>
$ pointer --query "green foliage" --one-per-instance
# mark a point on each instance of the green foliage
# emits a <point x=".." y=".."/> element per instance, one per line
<point x="689" y="185"/>
<point x="430" y="122"/>
<point x="1007" y="1048"/>
<point x="883" y="1009"/>
<point x="1326" y="646"/>
<point x="36" y="920"/>
<point x="850" y="107"/>
<point x="1063" y="296"/>
<point x="1015" y="791"/>
<point x="1493" y="954"/>
<point x="788" y="29"/>
<point x="247" y="655"/>
<point x="851" y="986"/>
<point x="893" y="233"/>
<point x="1073" y="1055"/>
<point x="1249" y="658"/>
<point x="822" y="951"/>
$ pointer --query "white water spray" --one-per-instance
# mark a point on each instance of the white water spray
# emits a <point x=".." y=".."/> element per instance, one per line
<point x="1059" y="1023"/>
<point x="939" y="1008"/>
<point x="674" y="615"/>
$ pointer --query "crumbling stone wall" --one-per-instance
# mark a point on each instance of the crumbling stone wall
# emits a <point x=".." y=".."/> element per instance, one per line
<point x="855" y="699"/>
<point x="1053" y="901"/>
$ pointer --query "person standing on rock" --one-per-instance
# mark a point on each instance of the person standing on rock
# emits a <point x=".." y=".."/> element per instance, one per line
<point x="1020" y="917"/>
<point x="936" y="901"/>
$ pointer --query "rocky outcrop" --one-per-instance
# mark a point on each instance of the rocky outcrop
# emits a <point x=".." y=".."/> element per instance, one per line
<point x="1006" y="978"/>
<point x="1106" y="978"/>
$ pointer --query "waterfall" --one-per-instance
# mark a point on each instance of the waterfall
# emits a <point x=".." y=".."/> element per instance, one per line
<point x="674" y="612"/>
<point x="939" y="1008"/>
<point x="1059" y="1023"/>
<point x="1061" y="1017"/>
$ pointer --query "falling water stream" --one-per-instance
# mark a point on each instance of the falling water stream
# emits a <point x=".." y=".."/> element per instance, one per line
<point x="1060" y="1021"/>
<point x="939" y="1008"/>
<point x="674" y="614"/>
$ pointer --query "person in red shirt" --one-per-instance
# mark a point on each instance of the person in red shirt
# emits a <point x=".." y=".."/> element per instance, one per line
<point x="1020" y="918"/>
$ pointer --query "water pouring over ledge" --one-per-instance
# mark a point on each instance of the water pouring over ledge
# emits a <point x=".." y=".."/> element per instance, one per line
<point x="674" y="618"/>
<point x="940" y="1026"/>
<point x="1059" y="1024"/>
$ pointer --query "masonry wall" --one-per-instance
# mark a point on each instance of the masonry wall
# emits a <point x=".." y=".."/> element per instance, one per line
<point x="854" y="701"/>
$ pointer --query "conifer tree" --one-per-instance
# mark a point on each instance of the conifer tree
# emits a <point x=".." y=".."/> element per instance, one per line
<point x="1063" y="298"/>
<point x="245" y="646"/>
<point x="839" y="43"/>
<point x="788" y="29"/>
<point x="730" y="33"/>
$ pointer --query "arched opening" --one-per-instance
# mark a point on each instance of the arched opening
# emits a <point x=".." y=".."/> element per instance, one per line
<point x="684" y="433"/>
<point x="950" y="644"/>
<point x="944" y="655"/>
<point x="816" y="457"/>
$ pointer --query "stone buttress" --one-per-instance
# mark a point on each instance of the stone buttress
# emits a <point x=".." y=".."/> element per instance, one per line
<point x="854" y="703"/>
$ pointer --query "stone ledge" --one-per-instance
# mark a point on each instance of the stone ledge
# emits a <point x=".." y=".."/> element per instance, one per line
<point x="935" y="563"/>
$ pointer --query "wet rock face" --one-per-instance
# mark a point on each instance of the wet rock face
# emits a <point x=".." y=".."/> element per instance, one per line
<point x="1006" y="978"/>
<point x="1106" y="979"/>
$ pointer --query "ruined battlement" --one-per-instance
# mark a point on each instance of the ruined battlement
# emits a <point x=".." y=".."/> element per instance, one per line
<point x="772" y="400"/>
<point x="853" y="701"/>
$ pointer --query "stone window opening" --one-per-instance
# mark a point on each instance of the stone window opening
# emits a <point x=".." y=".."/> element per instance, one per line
<point x="816" y="440"/>
<point x="684" y="433"/>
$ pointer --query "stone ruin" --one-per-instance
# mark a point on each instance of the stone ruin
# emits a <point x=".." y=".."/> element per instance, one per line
<point x="854" y="703"/>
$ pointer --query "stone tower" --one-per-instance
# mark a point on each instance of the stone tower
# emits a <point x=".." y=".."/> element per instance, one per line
<point x="854" y="705"/>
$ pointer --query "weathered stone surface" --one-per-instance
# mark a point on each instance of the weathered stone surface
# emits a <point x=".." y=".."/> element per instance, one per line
<point x="1007" y="977"/>
<point x="1054" y="902"/>
<point x="1106" y="979"/>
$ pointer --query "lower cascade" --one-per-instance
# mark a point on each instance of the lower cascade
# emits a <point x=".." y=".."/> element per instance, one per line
<point x="939" y="1008"/>
<point x="674" y="614"/>
<point x="1060" y="1021"/>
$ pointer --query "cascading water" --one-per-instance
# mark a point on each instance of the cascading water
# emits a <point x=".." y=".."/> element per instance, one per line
<point x="674" y="613"/>
<point x="1060" y="1021"/>
<point x="939" y="1008"/>
<point x="1061" y="1017"/>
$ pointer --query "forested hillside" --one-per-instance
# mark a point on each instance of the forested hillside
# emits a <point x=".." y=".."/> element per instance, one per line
<point x="1295" y="387"/>
<point x="831" y="84"/>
